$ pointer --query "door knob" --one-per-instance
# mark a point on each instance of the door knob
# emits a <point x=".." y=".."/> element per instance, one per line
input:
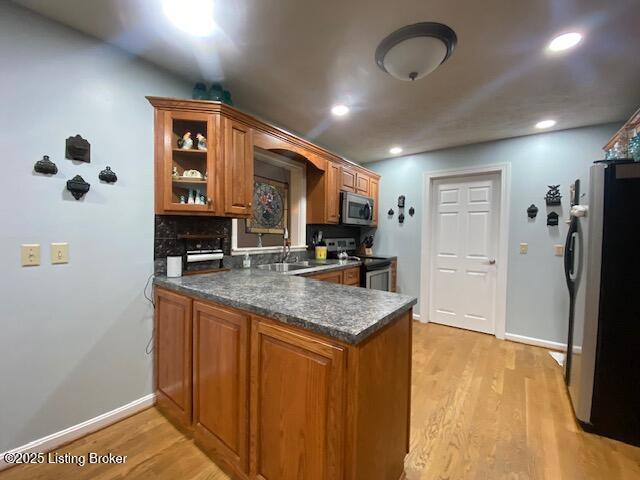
<point x="492" y="261"/>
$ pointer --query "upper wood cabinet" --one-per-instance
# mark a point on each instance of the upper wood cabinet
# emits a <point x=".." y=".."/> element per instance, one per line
<point x="185" y="177"/>
<point x="323" y="194"/>
<point x="238" y="168"/>
<point x="221" y="380"/>
<point x="374" y="194"/>
<point x="362" y="184"/>
<point x="297" y="404"/>
<point x="217" y="179"/>
<point x="173" y="347"/>
<point x="348" y="180"/>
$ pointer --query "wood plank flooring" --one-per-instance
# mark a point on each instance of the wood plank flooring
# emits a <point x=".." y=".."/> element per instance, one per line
<point x="482" y="409"/>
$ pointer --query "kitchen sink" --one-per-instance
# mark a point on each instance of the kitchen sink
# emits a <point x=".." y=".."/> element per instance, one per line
<point x="283" y="267"/>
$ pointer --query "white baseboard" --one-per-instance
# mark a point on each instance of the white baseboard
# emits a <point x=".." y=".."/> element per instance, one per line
<point x="50" y="442"/>
<point x="416" y="316"/>
<point x="538" y="342"/>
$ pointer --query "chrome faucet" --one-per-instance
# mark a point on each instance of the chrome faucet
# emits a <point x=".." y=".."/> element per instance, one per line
<point x="286" y="247"/>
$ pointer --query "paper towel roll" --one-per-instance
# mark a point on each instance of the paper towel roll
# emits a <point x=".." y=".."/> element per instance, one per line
<point x="174" y="266"/>
<point x="204" y="257"/>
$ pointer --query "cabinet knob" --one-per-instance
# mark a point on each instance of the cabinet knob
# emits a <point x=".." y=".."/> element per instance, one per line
<point x="249" y="203"/>
<point x="209" y="200"/>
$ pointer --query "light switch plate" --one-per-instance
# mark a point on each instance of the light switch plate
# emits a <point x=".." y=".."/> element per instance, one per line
<point x="524" y="248"/>
<point x="558" y="250"/>
<point x="30" y="254"/>
<point x="59" y="253"/>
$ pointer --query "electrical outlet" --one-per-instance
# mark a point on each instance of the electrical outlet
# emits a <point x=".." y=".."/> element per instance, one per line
<point x="30" y="254"/>
<point x="59" y="253"/>
<point x="524" y="248"/>
<point x="559" y="250"/>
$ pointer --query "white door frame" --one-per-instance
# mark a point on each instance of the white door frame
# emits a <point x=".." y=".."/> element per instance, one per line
<point x="504" y="170"/>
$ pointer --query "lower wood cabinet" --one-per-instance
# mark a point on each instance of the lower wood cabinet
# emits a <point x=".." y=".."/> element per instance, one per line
<point x="349" y="276"/>
<point x="220" y="383"/>
<point x="297" y="405"/>
<point x="270" y="401"/>
<point x="173" y="347"/>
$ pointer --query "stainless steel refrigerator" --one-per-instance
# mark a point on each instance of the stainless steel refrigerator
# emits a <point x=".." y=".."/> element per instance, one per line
<point x="602" y="268"/>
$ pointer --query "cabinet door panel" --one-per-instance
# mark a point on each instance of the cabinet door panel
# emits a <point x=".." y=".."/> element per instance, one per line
<point x="297" y="395"/>
<point x="373" y="193"/>
<point x="351" y="276"/>
<point x="221" y="383"/>
<point x="180" y="186"/>
<point x="238" y="168"/>
<point x="332" y="277"/>
<point x="348" y="180"/>
<point x="173" y="355"/>
<point x="333" y="193"/>
<point x="362" y="184"/>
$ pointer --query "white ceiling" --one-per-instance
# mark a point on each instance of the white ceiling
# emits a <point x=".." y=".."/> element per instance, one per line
<point x="289" y="61"/>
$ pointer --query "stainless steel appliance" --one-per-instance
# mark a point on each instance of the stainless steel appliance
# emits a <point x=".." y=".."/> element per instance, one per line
<point x="356" y="209"/>
<point x="602" y="265"/>
<point x="375" y="272"/>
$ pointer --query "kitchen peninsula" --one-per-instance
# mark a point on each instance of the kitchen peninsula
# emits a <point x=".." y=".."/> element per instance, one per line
<point x="284" y="377"/>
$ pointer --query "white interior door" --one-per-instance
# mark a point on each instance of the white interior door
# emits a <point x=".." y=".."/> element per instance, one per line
<point x="464" y="239"/>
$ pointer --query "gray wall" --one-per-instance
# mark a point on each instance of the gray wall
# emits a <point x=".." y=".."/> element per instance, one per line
<point x="73" y="337"/>
<point x="537" y="303"/>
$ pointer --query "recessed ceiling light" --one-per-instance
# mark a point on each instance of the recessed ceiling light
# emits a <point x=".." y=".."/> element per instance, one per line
<point x="339" y="110"/>
<point x="545" y="124"/>
<point x="565" y="41"/>
<point x="191" y="16"/>
<point x="395" y="150"/>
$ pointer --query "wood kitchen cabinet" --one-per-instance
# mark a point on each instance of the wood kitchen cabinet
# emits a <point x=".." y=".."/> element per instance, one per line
<point x="271" y="401"/>
<point x="179" y="171"/>
<point x="394" y="275"/>
<point x="173" y="349"/>
<point x="349" y="276"/>
<point x="221" y="176"/>
<point x="220" y="384"/>
<point x="297" y="404"/>
<point x="348" y="179"/>
<point x="323" y="194"/>
<point x="362" y="184"/>
<point x="374" y="194"/>
<point x="238" y="168"/>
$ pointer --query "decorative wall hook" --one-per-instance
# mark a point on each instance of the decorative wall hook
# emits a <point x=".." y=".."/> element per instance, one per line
<point x="532" y="211"/>
<point x="401" y="218"/>
<point x="390" y="212"/>
<point x="78" y="187"/>
<point x="401" y="201"/>
<point x="77" y="148"/>
<point x="412" y="211"/>
<point x="552" y="219"/>
<point x="46" y="166"/>
<point x="553" y="195"/>
<point x="108" y="175"/>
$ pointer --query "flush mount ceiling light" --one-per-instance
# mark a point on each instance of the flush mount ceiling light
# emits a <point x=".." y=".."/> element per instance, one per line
<point x="414" y="51"/>
<point x="565" y="41"/>
<point x="191" y="16"/>
<point x="339" y="110"/>
<point x="545" y="124"/>
<point x="395" y="150"/>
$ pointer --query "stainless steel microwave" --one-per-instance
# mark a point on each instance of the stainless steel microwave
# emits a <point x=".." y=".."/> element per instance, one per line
<point x="356" y="209"/>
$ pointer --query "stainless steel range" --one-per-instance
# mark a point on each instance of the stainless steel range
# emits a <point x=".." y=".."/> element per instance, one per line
<point x="375" y="272"/>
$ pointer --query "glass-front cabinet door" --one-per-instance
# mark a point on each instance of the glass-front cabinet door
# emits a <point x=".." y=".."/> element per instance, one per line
<point x="189" y="161"/>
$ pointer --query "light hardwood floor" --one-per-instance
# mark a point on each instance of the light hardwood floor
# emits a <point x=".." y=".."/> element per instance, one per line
<point x="482" y="409"/>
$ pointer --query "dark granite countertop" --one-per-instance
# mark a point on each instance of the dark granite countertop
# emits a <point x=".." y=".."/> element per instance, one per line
<point x="350" y="314"/>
